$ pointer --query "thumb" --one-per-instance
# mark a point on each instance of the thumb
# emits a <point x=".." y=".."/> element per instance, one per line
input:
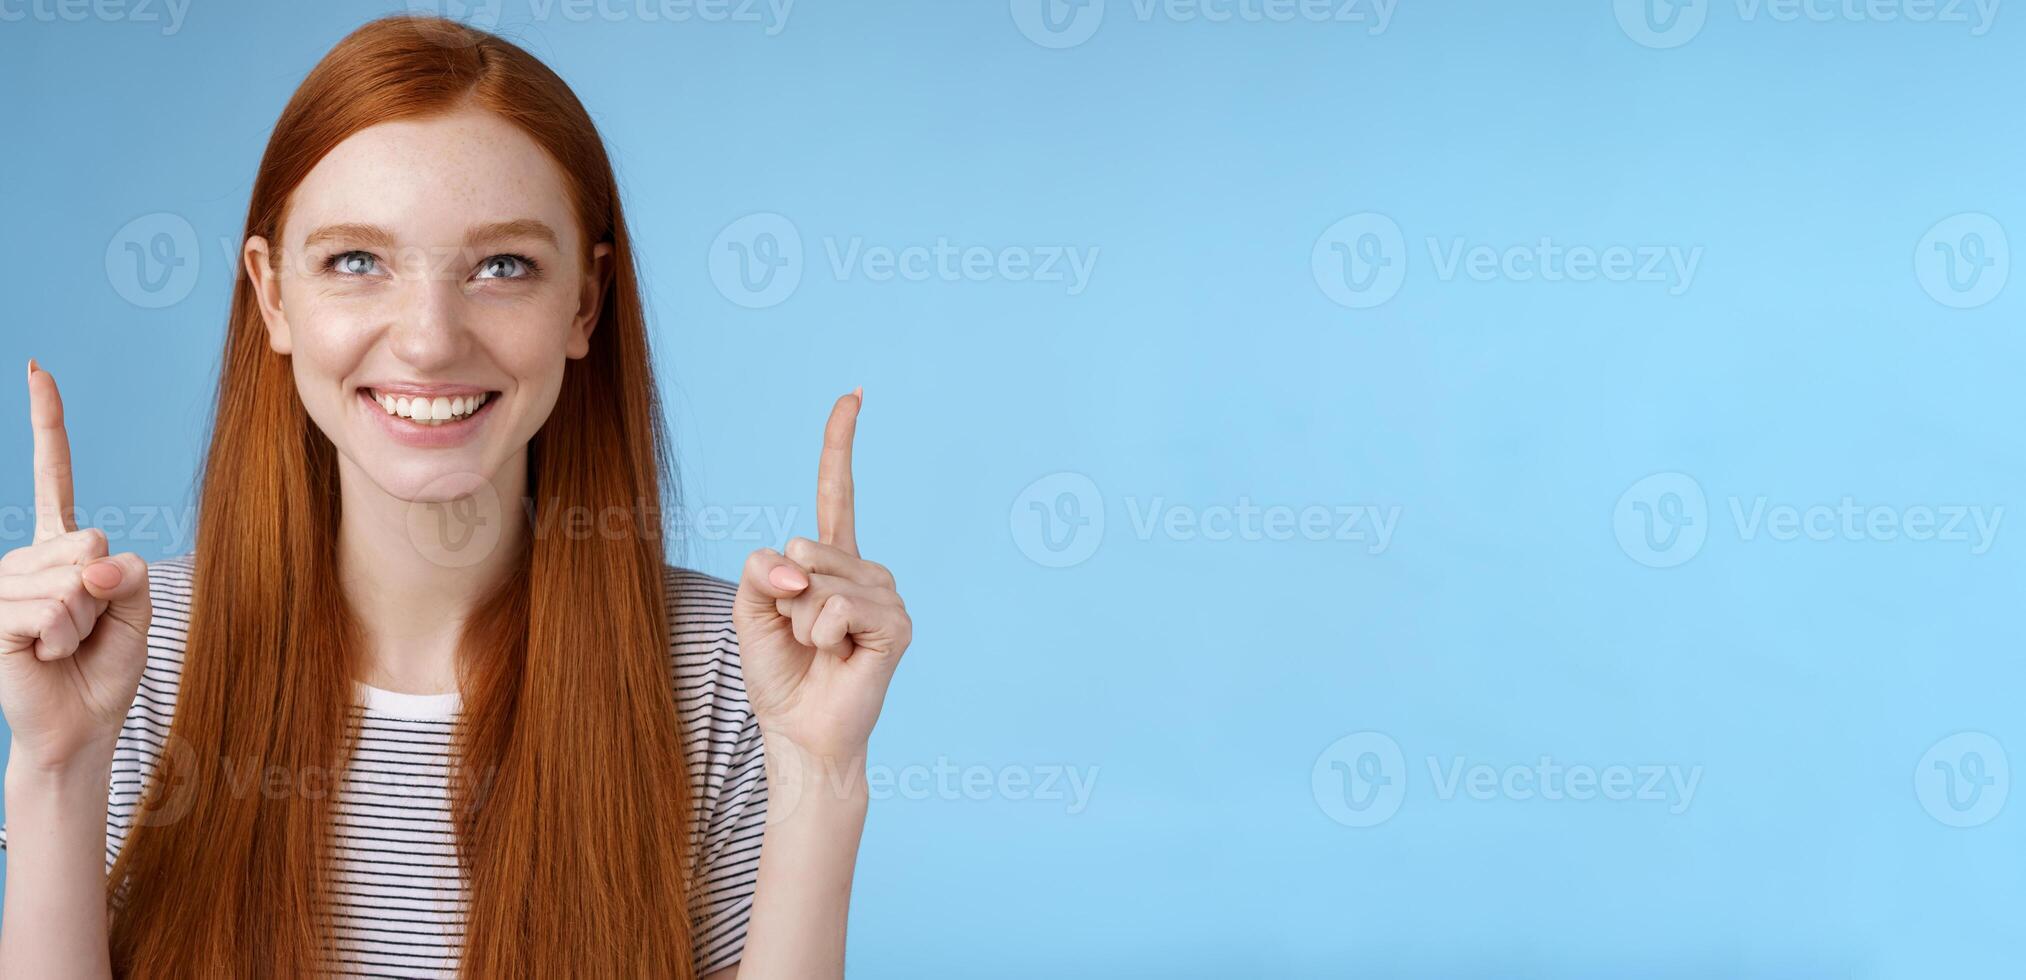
<point x="122" y="582"/>
<point x="768" y="575"/>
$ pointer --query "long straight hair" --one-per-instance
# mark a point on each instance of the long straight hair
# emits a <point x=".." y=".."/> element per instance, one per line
<point x="570" y="797"/>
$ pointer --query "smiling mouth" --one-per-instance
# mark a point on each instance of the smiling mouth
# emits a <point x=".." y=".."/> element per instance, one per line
<point x="431" y="412"/>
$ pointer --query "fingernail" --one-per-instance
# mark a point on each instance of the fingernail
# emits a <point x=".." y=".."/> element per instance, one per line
<point x="104" y="574"/>
<point x="860" y="392"/>
<point x="788" y="577"/>
<point x="31" y="365"/>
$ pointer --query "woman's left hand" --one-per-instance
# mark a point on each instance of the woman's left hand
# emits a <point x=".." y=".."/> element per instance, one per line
<point x="821" y="629"/>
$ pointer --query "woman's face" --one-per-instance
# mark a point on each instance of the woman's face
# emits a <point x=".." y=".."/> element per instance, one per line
<point x="433" y="281"/>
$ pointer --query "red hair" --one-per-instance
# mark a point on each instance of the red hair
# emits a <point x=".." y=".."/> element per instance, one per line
<point x="570" y="797"/>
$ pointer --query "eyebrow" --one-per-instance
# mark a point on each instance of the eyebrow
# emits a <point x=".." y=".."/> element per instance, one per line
<point x="378" y="237"/>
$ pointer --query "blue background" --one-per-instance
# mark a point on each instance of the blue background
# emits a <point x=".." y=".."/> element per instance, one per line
<point x="1206" y="683"/>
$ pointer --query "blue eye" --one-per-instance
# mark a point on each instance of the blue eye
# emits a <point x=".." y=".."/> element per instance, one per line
<point x="506" y="266"/>
<point x="352" y="263"/>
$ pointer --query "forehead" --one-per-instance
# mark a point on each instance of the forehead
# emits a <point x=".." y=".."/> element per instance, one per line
<point x="429" y="179"/>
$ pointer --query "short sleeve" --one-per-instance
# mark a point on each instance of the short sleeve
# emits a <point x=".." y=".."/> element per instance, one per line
<point x="727" y="765"/>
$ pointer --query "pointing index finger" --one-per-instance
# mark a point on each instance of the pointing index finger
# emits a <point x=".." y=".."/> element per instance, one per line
<point x="835" y="525"/>
<point x="52" y="456"/>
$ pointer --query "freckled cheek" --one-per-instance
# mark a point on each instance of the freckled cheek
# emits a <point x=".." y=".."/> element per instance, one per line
<point x="529" y="339"/>
<point x="330" y="340"/>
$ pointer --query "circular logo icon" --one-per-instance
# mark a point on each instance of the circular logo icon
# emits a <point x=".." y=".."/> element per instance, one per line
<point x="1962" y="780"/>
<point x="1058" y="23"/>
<point x="756" y="261"/>
<point x="458" y="518"/>
<point x="1360" y="261"/>
<point x="1058" y="521"/>
<point x="1662" y="520"/>
<point x="1360" y="780"/>
<point x="1662" y="24"/>
<point x="170" y="791"/>
<point x="152" y="261"/>
<point x="1963" y="261"/>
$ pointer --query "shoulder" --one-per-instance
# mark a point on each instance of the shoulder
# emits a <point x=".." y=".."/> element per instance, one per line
<point x="144" y="734"/>
<point x="700" y="631"/>
<point x="171" y="590"/>
<point x="703" y="648"/>
<point x="699" y="605"/>
<point x="726" y="760"/>
<point x="170" y="579"/>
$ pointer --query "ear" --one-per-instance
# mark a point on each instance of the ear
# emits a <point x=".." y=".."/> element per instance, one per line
<point x="260" y="271"/>
<point x="590" y="301"/>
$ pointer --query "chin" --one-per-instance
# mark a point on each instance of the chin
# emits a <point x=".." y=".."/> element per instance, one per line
<point x="432" y="481"/>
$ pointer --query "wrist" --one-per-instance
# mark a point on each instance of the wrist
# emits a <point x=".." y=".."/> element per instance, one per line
<point x="88" y="765"/>
<point x="814" y="779"/>
<point x="820" y="753"/>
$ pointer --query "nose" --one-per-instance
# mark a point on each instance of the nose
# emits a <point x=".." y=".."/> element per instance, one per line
<point x="429" y="332"/>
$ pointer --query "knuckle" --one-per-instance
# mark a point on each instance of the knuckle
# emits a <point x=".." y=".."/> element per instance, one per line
<point x="798" y="549"/>
<point x="881" y="573"/>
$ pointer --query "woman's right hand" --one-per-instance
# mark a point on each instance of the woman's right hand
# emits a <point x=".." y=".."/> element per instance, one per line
<point x="73" y="621"/>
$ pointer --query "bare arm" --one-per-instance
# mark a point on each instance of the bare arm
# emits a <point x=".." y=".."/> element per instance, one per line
<point x="55" y="917"/>
<point x="807" y="855"/>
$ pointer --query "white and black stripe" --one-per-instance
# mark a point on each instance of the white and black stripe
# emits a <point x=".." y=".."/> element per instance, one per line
<point x="398" y="901"/>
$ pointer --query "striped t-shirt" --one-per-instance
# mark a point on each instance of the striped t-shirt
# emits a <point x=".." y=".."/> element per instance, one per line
<point x="398" y="896"/>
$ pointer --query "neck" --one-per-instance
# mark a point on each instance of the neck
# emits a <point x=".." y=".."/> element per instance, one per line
<point x="412" y="573"/>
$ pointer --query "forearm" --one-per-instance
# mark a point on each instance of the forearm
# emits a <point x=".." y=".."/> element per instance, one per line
<point x="816" y="814"/>
<point x="55" y="915"/>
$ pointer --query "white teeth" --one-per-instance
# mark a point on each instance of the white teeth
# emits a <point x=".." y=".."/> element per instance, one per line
<point x="430" y="411"/>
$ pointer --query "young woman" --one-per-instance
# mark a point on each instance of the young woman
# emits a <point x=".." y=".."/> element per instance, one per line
<point x="380" y="722"/>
